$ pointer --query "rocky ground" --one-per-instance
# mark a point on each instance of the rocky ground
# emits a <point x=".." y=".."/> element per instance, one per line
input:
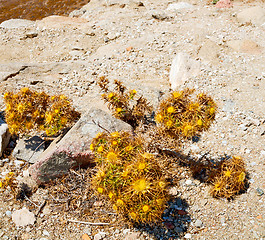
<point x="136" y="42"/>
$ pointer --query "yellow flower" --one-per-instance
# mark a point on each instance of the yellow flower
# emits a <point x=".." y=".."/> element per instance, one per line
<point x="114" y="143"/>
<point x="110" y="195"/>
<point x="53" y="97"/>
<point x="162" y="184"/>
<point x="212" y="110"/>
<point x="199" y="122"/>
<point x="115" y="208"/>
<point x="8" y="107"/>
<point x="49" y="118"/>
<point x="20" y="108"/>
<point x="92" y="147"/>
<point x="29" y="125"/>
<point x="125" y="173"/>
<point x="241" y="177"/>
<point x="176" y="94"/>
<point x="159" y="118"/>
<point x="119" y="202"/>
<point x="171" y="109"/>
<point x="141" y="165"/>
<point x="133" y="215"/>
<point x="118" y="110"/>
<point x="63" y="97"/>
<point x="100" y="190"/>
<point x="134" y="91"/>
<point x="187" y="130"/>
<point x="11" y="173"/>
<point x="115" y="134"/>
<point x="24" y="90"/>
<point x="112" y="157"/>
<point x="227" y="173"/>
<point x="1" y="184"/>
<point x="169" y="123"/>
<point x="146" y="208"/>
<point x="159" y="201"/>
<point x="6" y="94"/>
<point x="147" y="155"/>
<point x="64" y="120"/>
<point x="100" y="149"/>
<point x="110" y="95"/>
<point x="56" y="111"/>
<point x="128" y="148"/>
<point x="98" y="135"/>
<point x="100" y="174"/>
<point x="36" y="114"/>
<point x="140" y="186"/>
<point x="217" y="187"/>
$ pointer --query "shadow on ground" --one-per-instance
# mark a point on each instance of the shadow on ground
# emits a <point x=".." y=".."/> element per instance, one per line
<point x="175" y="222"/>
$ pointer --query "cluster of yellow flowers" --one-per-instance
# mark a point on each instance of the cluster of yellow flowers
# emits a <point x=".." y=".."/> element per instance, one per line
<point x="180" y="115"/>
<point x="28" y="110"/>
<point x="229" y="179"/>
<point x="129" y="177"/>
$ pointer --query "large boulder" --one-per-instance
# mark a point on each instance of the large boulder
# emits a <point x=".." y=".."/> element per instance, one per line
<point x="73" y="150"/>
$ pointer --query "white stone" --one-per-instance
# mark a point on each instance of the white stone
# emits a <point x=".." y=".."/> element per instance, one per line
<point x="97" y="236"/>
<point x="45" y="233"/>
<point x="16" y="23"/>
<point x="4" y="136"/>
<point x="189" y="182"/>
<point x="23" y="217"/>
<point x="179" y="5"/>
<point x="182" y="68"/>
<point x="187" y="236"/>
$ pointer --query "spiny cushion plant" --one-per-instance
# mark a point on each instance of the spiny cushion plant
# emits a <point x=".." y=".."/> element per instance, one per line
<point x="184" y="114"/>
<point x="29" y="109"/>
<point x="124" y="103"/>
<point x="129" y="177"/>
<point x="229" y="179"/>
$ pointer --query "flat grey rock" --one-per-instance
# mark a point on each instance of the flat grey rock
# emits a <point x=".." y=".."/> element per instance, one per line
<point x="29" y="149"/>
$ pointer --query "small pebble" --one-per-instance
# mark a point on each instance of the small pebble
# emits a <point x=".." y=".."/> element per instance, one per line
<point x="222" y="220"/>
<point x="189" y="182"/>
<point x="97" y="236"/>
<point x="260" y="191"/>
<point x="45" y="233"/>
<point x="8" y="213"/>
<point x="187" y="236"/>
<point x="198" y="223"/>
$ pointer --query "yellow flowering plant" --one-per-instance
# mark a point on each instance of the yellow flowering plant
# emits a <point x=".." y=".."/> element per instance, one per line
<point x="129" y="177"/>
<point x="184" y="115"/>
<point x="229" y="178"/>
<point x="27" y="110"/>
<point x="124" y="102"/>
